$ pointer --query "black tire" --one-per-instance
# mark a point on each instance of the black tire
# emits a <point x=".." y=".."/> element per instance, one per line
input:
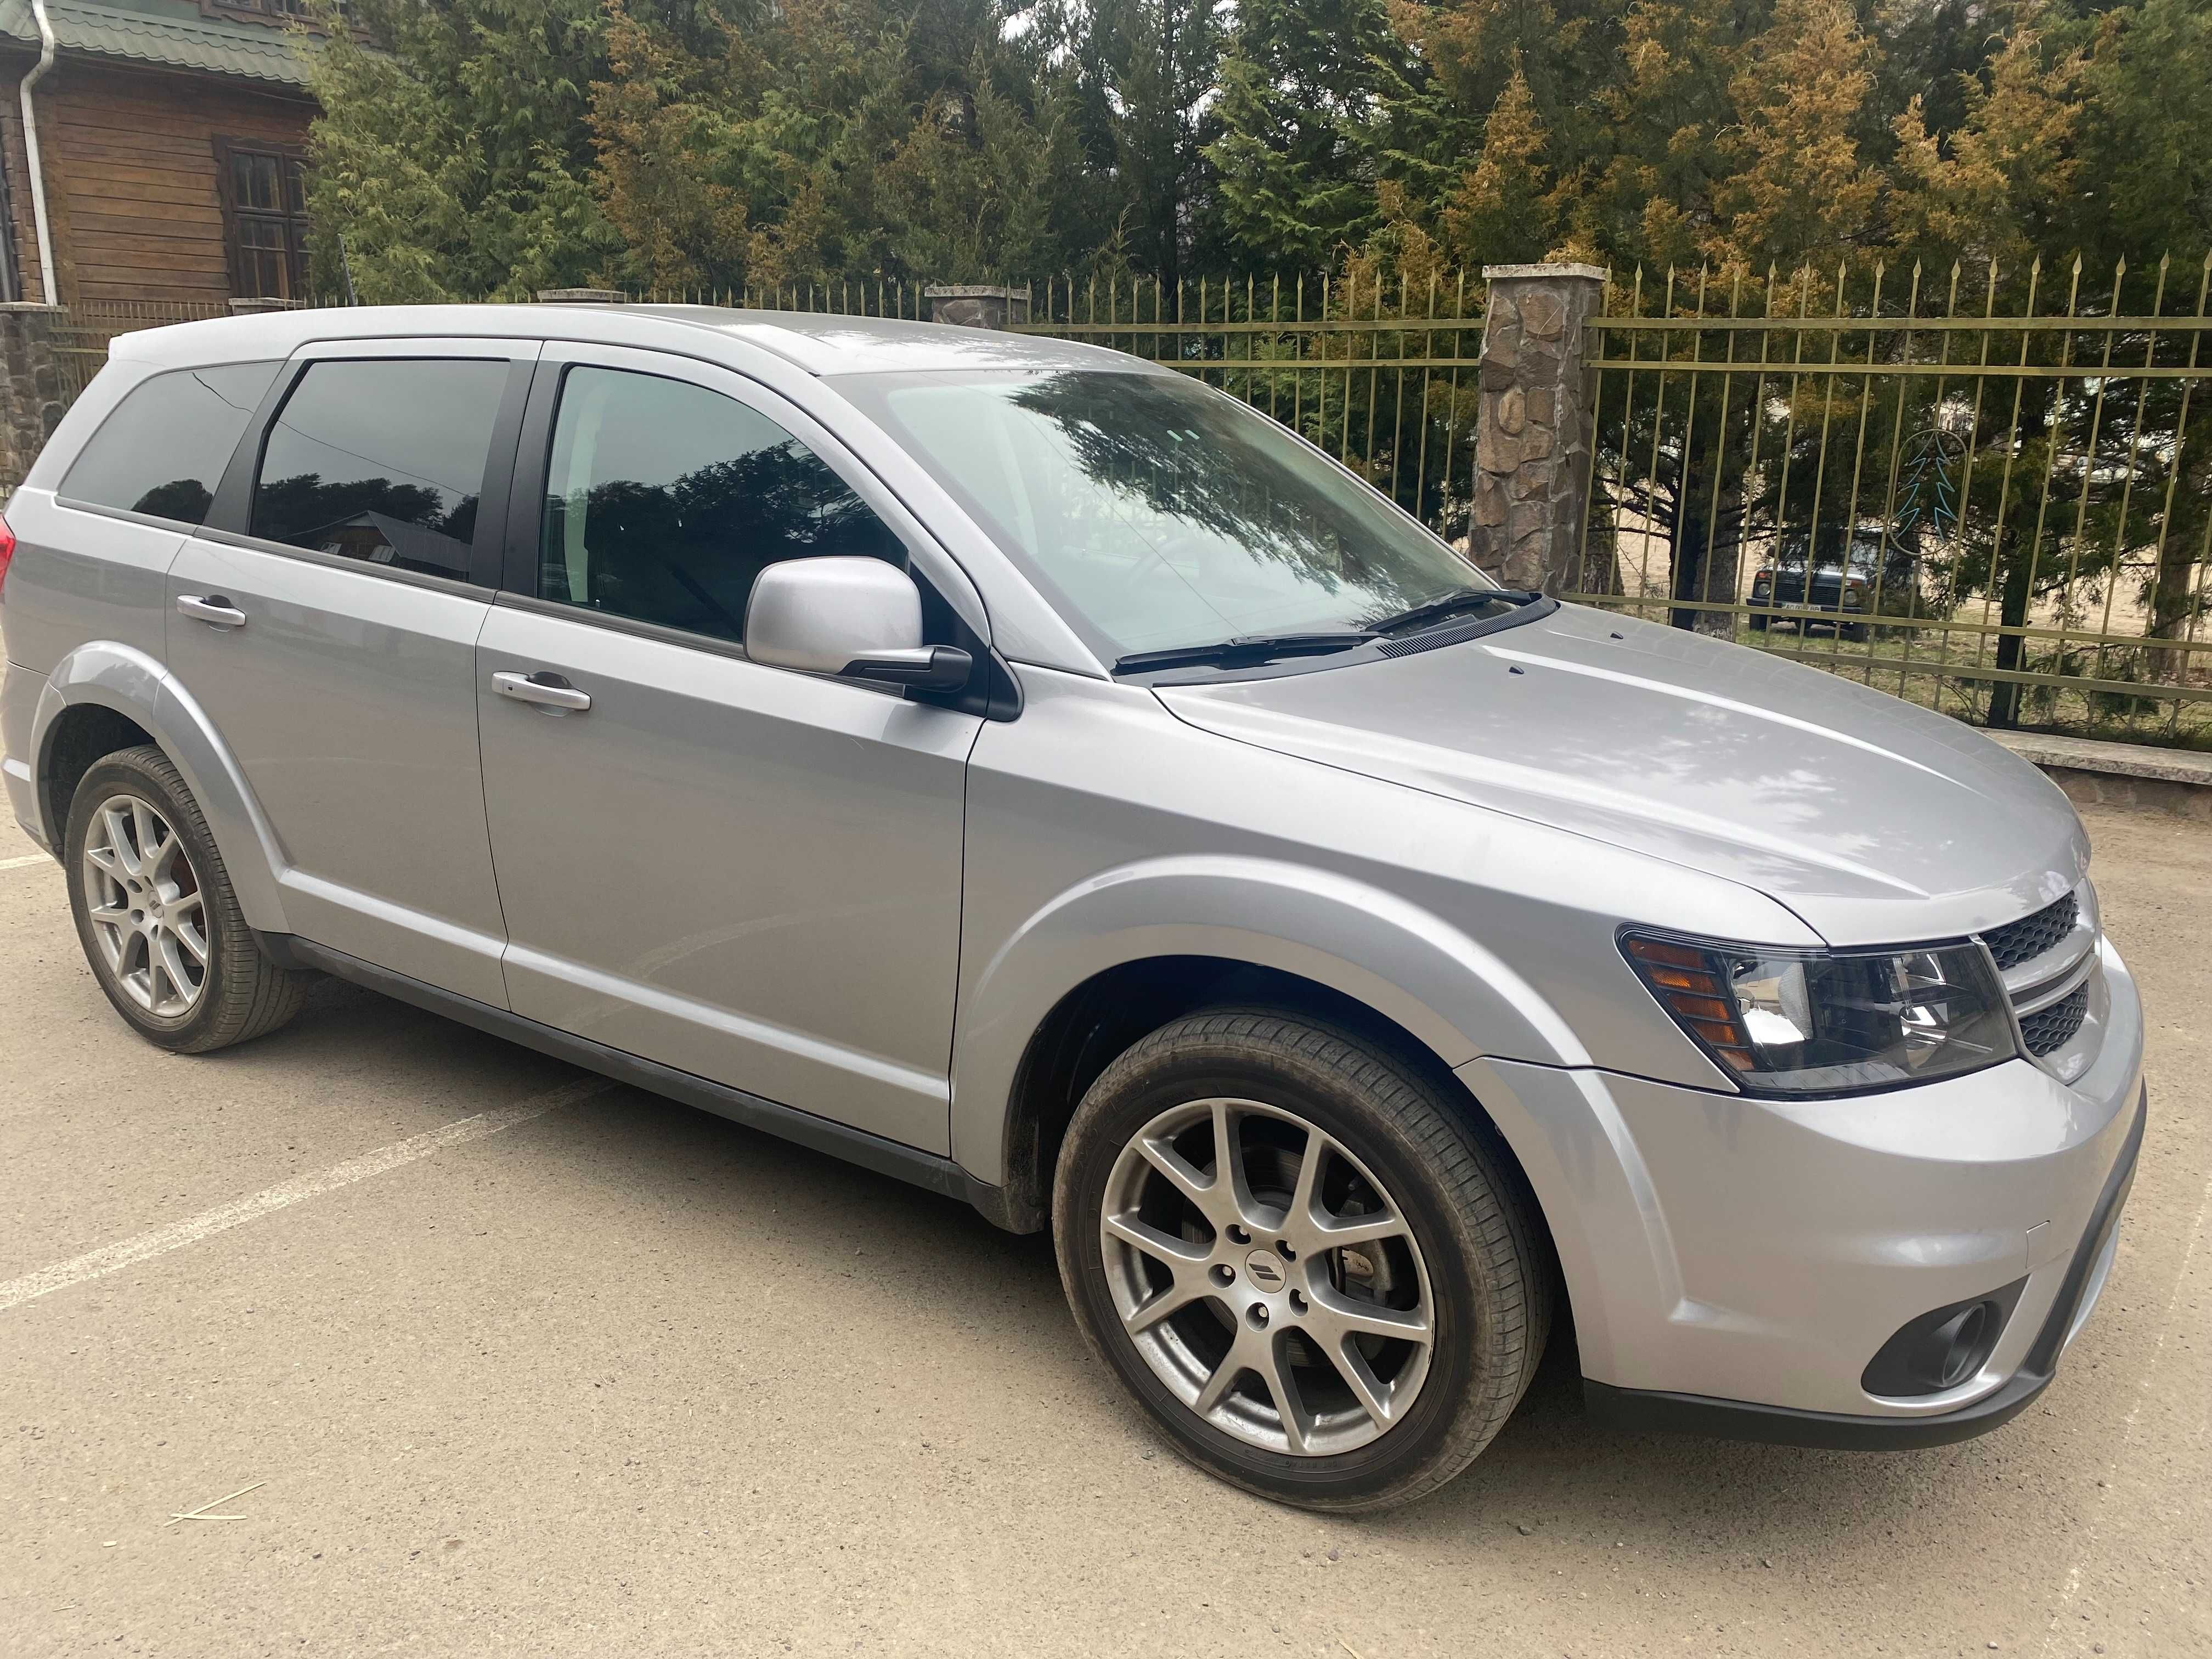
<point x="1855" y="632"/>
<point x="1759" y="624"/>
<point x="242" y="993"/>
<point x="1489" y="1280"/>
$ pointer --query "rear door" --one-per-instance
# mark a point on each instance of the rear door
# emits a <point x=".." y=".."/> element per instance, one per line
<point x="325" y="621"/>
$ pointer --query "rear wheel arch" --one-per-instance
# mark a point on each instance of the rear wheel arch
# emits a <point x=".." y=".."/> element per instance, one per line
<point x="78" y="740"/>
<point x="104" y="697"/>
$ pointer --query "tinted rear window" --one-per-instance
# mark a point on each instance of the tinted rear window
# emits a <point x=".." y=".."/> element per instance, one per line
<point x="382" y="460"/>
<point x="163" y="449"/>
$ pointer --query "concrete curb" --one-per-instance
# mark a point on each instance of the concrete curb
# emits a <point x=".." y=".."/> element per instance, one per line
<point x="2175" y="781"/>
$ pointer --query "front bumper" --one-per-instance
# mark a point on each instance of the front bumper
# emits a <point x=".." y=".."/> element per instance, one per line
<point x="1734" y="1265"/>
<point x="1645" y="1409"/>
<point x="1830" y="604"/>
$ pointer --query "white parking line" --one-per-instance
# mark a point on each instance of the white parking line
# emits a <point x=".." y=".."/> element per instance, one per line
<point x="27" y="860"/>
<point x="110" y="1257"/>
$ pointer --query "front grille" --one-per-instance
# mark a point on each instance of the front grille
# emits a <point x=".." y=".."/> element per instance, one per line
<point x="2048" y="1029"/>
<point x="2031" y="936"/>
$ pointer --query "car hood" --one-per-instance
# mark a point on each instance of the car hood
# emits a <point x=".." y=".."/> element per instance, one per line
<point x="1875" y="820"/>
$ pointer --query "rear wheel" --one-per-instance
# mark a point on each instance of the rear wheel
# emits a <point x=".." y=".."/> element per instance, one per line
<point x="157" y="914"/>
<point x="1315" y="1280"/>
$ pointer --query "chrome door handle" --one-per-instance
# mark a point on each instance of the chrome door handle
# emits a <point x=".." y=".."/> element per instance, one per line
<point x="548" y="691"/>
<point x="215" y="609"/>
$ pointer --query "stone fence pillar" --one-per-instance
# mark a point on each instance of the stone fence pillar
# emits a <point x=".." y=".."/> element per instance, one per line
<point x="1533" y="429"/>
<point x="31" y="401"/>
<point x="975" y="304"/>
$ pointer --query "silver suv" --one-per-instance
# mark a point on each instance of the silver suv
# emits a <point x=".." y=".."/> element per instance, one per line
<point x="1030" y="773"/>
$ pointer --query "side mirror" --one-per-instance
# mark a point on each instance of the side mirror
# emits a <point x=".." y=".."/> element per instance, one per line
<point x="854" y="617"/>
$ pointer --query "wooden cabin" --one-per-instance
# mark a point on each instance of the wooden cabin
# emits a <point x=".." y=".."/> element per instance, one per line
<point x="170" y="136"/>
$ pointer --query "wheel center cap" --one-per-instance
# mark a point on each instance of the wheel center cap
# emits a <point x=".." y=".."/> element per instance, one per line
<point x="1265" y="1269"/>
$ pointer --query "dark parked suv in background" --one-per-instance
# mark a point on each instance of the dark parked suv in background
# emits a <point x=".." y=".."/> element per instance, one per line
<point x="1878" y="575"/>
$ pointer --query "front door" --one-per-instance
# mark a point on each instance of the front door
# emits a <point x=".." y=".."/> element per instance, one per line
<point x="745" y="872"/>
<point x="325" y="622"/>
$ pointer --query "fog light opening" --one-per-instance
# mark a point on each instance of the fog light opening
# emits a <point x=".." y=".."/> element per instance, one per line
<point x="1942" y="1348"/>
<point x="1959" y="1342"/>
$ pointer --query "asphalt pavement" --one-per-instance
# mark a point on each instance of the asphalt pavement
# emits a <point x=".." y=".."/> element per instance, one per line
<point x="484" y="1355"/>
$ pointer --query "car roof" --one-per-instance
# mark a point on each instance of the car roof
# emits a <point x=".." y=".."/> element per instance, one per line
<point x="814" y="341"/>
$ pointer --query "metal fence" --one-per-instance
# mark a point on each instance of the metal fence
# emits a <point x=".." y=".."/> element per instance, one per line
<point x="1989" y="498"/>
<point x="1993" y="495"/>
<point x="1995" y="502"/>
<point x="81" y="340"/>
<point x="1378" y="371"/>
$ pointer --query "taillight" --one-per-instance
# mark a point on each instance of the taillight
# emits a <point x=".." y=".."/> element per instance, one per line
<point x="6" y="553"/>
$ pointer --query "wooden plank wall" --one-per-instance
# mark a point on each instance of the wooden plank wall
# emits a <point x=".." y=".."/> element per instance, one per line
<point x="130" y="178"/>
<point x="24" y="227"/>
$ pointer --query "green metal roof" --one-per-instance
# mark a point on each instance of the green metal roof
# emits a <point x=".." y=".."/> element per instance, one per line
<point x="173" y="35"/>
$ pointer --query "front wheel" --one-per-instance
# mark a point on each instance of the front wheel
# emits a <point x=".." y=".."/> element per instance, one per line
<point x="1316" y="1280"/>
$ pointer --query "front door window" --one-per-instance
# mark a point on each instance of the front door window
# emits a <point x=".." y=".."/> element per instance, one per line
<point x="663" y="500"/>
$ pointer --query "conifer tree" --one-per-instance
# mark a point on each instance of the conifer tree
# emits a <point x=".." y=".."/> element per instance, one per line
<point x="1665" y="104"/>
<point x="1501" y="211"/>
<point x="449" y="163"/>
<point x="1801" y="192"/>
<point x="2146" y="178"/>
<point x="2004" y="180"/>
<point x="1147" y="69"/>
<point x="1303" y="96"/>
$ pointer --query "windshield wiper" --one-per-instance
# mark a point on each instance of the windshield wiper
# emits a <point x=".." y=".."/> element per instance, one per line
<point x="1459" y="599"/>
<point x="1245" y="651"/>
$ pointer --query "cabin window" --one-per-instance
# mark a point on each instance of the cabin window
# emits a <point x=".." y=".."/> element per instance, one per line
<point x="265" y="203"/>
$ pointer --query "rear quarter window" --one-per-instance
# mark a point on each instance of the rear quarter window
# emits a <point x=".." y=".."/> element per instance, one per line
<point x="163" y="449"/>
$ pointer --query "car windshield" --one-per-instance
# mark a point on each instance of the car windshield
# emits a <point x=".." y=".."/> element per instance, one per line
<point x="1160" y="512"/>
<point x="1865" y="552"/>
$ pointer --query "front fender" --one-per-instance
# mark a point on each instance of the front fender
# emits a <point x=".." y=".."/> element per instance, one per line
<point x="1376" y="947"/>
<point x="121" y="678"/>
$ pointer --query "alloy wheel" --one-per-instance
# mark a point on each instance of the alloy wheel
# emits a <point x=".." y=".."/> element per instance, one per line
<point x="1266" y="1277"/>
<point x="147" y="914"/>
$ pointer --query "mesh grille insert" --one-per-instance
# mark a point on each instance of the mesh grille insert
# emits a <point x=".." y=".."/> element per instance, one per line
<point x="2031" y="936"/>
<point x="2048" y="1029"/>
<point x="1431" y="639"/>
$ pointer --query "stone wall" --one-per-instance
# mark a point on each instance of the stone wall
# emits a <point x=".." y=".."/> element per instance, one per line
<point x="1533" y="431"/>
<point x="977" y="305"/>
<point x="31" y="401"/>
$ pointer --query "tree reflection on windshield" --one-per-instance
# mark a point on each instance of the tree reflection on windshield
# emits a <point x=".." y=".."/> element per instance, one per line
<point x="1164" y="513"/>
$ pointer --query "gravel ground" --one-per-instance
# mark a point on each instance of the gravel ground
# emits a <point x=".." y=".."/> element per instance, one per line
<point x="622" y="1378"/>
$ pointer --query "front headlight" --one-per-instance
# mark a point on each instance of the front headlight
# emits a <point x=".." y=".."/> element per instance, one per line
<point x="1829" y="1022"/>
